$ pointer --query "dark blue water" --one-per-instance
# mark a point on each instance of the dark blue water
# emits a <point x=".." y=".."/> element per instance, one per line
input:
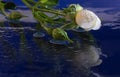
<point x="24" y="56"/>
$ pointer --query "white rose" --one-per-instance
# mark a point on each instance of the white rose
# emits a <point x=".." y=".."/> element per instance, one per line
<point x="88" y="20"/>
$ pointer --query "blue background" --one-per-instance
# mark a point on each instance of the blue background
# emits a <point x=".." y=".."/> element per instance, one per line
<point x="108" y="39"/>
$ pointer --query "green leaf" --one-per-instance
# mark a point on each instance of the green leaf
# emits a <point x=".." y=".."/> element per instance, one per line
<point x="59" y="19"/>
<point x="49" y="2"/>
<point x="42" y="16"/>
<point x="43" y="1"/>
<point x="60" y="34"/>
<point x="36" y="16"/>
<point x="75" y="7"/>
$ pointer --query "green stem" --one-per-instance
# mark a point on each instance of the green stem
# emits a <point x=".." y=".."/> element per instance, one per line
<point x="50" y="11"/>
<point x="2" y="8"/>
<point x="66" y="25"/>
<point x="27" y="3"/>
<point x="3" y="11"/>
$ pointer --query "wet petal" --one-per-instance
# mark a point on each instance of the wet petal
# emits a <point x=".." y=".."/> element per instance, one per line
<point x="88" y="20"/>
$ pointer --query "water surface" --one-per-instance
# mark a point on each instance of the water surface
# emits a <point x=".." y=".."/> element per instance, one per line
<point x="23" y="55"/>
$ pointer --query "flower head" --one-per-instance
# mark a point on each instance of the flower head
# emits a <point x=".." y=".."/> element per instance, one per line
<point x="87" y="20"/>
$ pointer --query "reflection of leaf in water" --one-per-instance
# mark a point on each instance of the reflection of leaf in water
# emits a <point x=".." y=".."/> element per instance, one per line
<point x="15" y="24"/>
<point x="9" y="52"/>
<point x="48" y="29"/>
<point x="44" y="45"/>
<point x="25" y="51"/>
<point x="38" y="27"/>
<point x="55" y="50"/>
<point x="86" y="37"/>
<point x="22" y="43"/>
<point x="2" y="24"/>
<point x="22" y="38"/>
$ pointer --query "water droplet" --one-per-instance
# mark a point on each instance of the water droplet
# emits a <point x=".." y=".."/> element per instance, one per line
<point x="38" y="35"/>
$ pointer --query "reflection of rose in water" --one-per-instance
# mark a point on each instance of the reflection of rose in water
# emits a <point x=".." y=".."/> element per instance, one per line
<point x="88" y="56"/>
<point x="81" y="56"/>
